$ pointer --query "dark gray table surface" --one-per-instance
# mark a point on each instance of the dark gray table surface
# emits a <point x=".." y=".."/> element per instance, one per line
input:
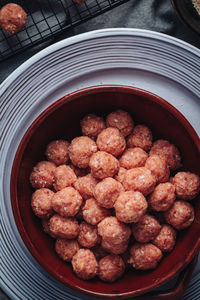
<point x="157" y="15"/>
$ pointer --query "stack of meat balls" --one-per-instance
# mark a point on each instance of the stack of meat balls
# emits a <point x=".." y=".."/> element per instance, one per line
<point x="107" y="197"/>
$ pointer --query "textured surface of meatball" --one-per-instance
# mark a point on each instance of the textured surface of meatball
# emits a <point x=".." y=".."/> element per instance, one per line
<point x="162" y="197"/>
<point x="167" y="150"/>
<point x="187" y="185"/>
<point x="88" y="236"/>
<point x="80" y="150"/>
<point x="66" y="228"/>
<point x="115" y="248"/>
<point x="107" y="191"/>
<point x="41" y="203"/>
<point x="45" y="226"/>
<point x="64" y="176"/>
<point x="92" y="125"/>
<point x="103" y="165"/>
<point x="133" y="158"/>
<point x="166" y="238"/>
<point x="67" y="202"/>
<point x="86" y="185"/>
<point x="66" y="249"/>
<point x="85" y="264"/>
<point x="130" y="206"/>
<point x="121" y="120"/>
<point x="180" y="215"/>
<point x="146" y="229"/>
<point x="144" y="256"/>
<point x="139" y="179"/>
<point x="94" y="213"/>
<point x="112" y="141"/>
<point x="158" y="167"/>
<point x="120" y="175"/>
<point x="42" y="175"/>
<point x="78" y="171"/>
<point x="57" y="152"/>
<point x="111" y="268"/>
<point x="141" y="137"/>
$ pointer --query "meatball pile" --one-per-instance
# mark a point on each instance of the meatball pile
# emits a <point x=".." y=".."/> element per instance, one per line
<point x="113" y="198"/>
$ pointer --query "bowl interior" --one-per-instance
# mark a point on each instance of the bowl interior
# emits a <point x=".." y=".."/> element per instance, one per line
<point x="61" y="120"/>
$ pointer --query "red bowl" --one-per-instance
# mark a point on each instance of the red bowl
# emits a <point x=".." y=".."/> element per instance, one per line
<point x="61" y="120"/>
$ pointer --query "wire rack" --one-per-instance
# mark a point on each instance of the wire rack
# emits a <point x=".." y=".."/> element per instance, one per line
<point x="47" y="18"/>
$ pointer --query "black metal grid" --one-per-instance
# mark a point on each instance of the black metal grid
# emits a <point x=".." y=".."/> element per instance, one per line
<point x="47" y="18"/>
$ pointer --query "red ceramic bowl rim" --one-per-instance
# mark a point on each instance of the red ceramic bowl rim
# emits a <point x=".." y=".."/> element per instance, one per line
<point x="15" y="168"/>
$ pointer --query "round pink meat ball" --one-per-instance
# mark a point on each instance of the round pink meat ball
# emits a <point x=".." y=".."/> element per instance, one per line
<point x="80" y="151"/>
<point x="66" y="249"/>
<point x="42" y="175"/>
<point x="187" y="185"/>
<point x="121" y="120"/>
<point x="112" y="141"/>
<point x="92" y="125"/>
<point x="66" y="228"/>
<point x="41" y="203"/>
<point x="64" y="176"/>
<point x="133" y="158"/>
<point x="94" y="213"/>
<point x="85" y="264"/>
<point x="120" y="175"/>
<point x="111" y="268"/>
<point x="57" y="152"/>
<point x="166" y="238"/>
<point x="85" y="186"/>
<point x="141" y="137"/>
<point x="115" y="248"/>
<point x="158" y="167"/>
<point x="88" y="236"/>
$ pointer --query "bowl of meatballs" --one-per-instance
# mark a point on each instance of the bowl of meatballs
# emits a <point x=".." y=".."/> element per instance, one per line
<point x="105" y="191"/>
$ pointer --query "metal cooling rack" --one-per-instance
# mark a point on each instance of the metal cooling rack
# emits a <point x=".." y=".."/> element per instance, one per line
<point x="47" y="18"/>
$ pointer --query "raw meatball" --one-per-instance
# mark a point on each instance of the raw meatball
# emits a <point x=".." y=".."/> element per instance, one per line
<point x="164" y="149"/>
<point x="80" y="151"/>
<point x="162" y="197"/>
<point x="166" y="238"/>
<point x="133" y="157"/>
<point x="41" y="203"/>
<point x="86" y="185"/>
<point x="146" y="229"/>
<point x="130" y="206"/>
<point x="45" y="225"/>
<point x="79" y="172"/>
<point x="115" y="248"/>
<point x="180" y="215"/>
<point x="12" y="18"/>
<point x="144" y="256"/>
<point x="42" y="175"/>
<point x="66" y="228"/>
<point x="85" y="264"/>
<point x="158" y="167"/>
<point x="66" y="249"/>
<point x="187" y="185"/>
<point x="111" y="267"/>
<point x="107" y="191"/>
<point x="57" y="152"/>
<point x="120" y="175"/>
<point x="141" y="137"/>
<point x="92" y="125"/>
<point x="113" y="231"/>
<point x="139" y="179"/>
<point x="99" y="251"/>
<point x="111" y="141"/>
<point x="103" y="165"/>
<point x="93" y="213"/>
<point x="121" y="120"/>
<point x="88" y="236"/>
<point x="67" y="202"/>
<point x="64" y="176"/>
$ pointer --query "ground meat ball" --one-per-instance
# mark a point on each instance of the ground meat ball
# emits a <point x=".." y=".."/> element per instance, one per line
<point x="146" y="229"/>
<point x="180" y="215"/>
<point x="130" y="206"/>
<point x="162" y="197"/>
<point x="121" y="120"/>
<point x="80" y="151"/>
<point x="57" y="152"/>
<point x="92" y="125"/>
<point x="144" y="256"/>
<point x="187" y="185"/>
<point x="107" y="191"/>
<point x="66" y="228"/>
<point x="88" y="236"/>
<point x="93" y="213"/>
<point x="141" y="137"/>
<point x="115" y="248"/>
<point x="103" y="165"/>
<point x="114" y="231"/>
<point x="79" y="172"/>
<point x="66" y="249"/>
<point x="120" y="175"/>
<point x="133" y="157"/>
<point x="99" y="251"/>
<point x="139" y="179"/>
<point x="85" y="264"/>
<point x="166" y="238"/>
<point x="41" y="203"/>
<point x="164" y="149"/>
<point x="111" y="141"/>
<point x="42" y="175"/>
<point x="12" y="18"/>
<point x="111" y="268"/>
<point x="64" y="176"/>
<point x="158" y="167"/>
<point x="45" y="225"/>
<point x="86" y="185"/>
